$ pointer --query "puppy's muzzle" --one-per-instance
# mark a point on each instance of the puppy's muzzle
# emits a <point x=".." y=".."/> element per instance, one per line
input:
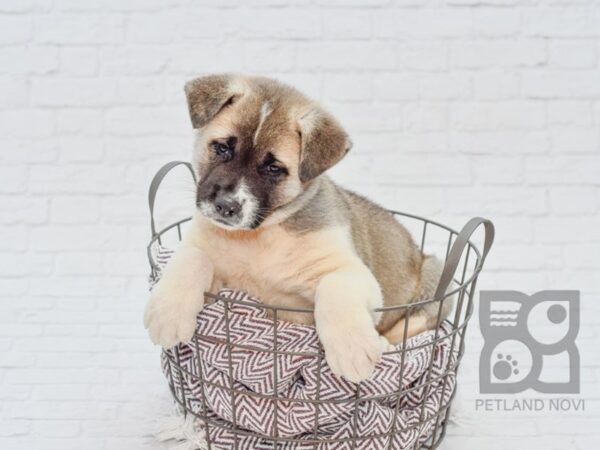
<point x="228" y="208"/>
<point x="229" y="205"/>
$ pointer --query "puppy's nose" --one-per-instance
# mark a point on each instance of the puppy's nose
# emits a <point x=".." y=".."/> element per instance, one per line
<point x="227" y="208"/>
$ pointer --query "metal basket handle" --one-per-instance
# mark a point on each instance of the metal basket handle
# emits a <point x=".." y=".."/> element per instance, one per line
<point x="157" y="180"/>
<point x="457" y="250"/>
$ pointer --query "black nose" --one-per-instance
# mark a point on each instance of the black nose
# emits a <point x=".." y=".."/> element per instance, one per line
<point x="227" y="208"/>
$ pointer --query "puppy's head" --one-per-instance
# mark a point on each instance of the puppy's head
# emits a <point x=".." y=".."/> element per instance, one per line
<point x="259" y="144"/>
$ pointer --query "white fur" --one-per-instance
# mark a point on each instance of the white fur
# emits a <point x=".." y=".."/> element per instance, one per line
<point x="170" y="315"/>
<point x="249" y="204"/>
<point x="265" y="110"/>
<point x="344" y="300"/>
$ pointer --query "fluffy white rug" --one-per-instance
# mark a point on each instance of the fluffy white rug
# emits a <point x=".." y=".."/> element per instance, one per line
<point x="185" y="432"/>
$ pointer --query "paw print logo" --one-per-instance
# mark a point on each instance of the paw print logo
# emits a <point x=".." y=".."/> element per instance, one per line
<point x="505" y="367"/>
<point x="520" y="333"/>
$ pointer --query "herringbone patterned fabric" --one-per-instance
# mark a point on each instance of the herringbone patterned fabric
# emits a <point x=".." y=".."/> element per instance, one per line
<point x="292" y="395"/>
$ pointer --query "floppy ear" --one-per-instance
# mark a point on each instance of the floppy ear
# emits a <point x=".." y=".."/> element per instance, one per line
<point x="206" y="96"/>
<point x="323" y="143"/>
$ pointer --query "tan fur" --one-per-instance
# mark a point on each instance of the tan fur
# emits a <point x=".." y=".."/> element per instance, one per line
<point x="280" y="267"/>
<point x="320" y="247"/>
<point x="406" y="328"/>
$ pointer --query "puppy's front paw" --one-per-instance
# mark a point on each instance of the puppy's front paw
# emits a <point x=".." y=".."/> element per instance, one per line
<point x="353" y="351"/>
<point x="170" y="316"/>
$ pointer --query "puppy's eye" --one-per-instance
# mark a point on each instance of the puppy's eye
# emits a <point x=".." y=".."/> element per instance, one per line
<point x="223" y="151"/>
<point x="274" y="169"/>
<point x="271" y="167"/>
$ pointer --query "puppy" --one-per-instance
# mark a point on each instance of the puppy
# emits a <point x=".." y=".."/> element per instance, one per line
<point x="269" y="222"/>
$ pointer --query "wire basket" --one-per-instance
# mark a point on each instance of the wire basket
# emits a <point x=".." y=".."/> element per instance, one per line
<point x="463" y="261"/>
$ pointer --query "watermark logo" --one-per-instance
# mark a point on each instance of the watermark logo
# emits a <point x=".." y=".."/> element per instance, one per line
<point x="529" y="342"/>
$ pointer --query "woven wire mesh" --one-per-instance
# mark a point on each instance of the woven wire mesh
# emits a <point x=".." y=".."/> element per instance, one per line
<point x="434" y="238"/>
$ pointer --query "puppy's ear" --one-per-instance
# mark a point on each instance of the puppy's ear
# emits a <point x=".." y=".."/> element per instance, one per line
<point x="323" y="143"/>
<point x="206" y="96"/>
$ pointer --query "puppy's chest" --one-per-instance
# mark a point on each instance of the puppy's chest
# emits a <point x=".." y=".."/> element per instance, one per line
<point x="248" y="262"/>
<point x="278" y="267"/>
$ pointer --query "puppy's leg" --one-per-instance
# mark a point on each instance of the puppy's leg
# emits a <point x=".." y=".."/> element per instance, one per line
<point x="175" y="301"/>
<point x="345" y="322"/>
<point x="417" y="323"/>
<point x="425" y="318"/>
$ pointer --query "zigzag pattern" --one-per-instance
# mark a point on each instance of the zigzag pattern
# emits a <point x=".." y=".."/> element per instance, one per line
<point x="267" y="394"/>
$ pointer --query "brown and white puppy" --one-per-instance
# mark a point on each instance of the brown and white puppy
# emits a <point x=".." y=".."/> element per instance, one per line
<point x="270" y="223"/>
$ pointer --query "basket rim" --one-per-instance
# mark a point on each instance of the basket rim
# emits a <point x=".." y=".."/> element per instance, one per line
<point x="460" y="285"/>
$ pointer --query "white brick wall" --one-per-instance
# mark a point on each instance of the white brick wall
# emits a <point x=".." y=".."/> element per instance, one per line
<point x="457" y="108"/>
